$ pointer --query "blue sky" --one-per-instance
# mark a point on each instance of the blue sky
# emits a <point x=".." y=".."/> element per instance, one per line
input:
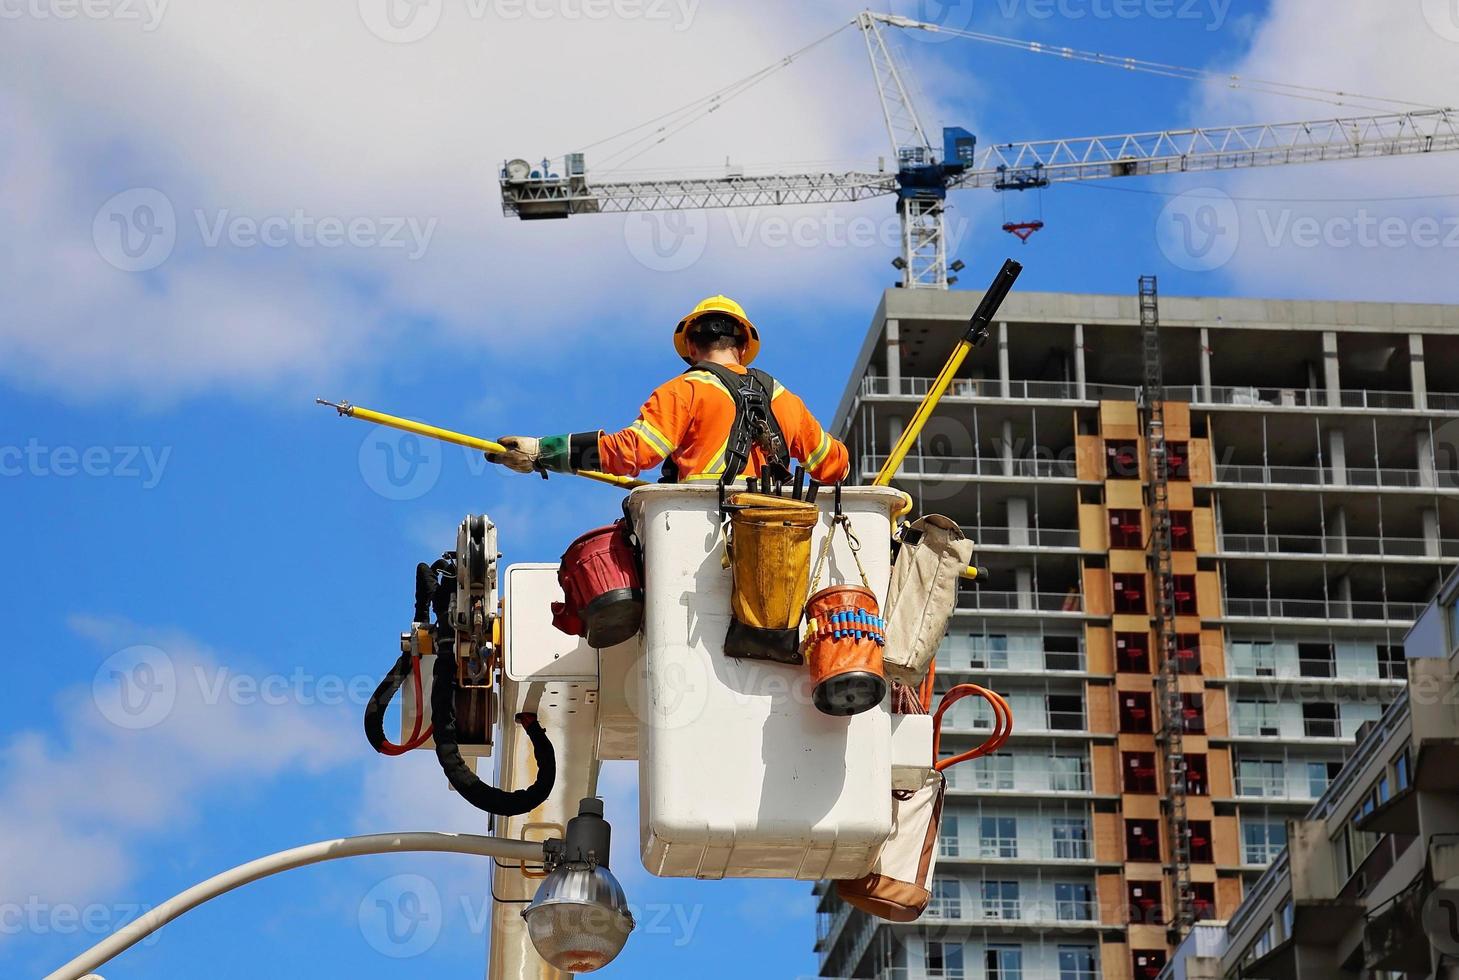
<point x="171" y="487"/>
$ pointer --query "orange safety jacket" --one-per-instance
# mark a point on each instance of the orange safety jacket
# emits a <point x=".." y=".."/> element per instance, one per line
<point x="688" y="420"/>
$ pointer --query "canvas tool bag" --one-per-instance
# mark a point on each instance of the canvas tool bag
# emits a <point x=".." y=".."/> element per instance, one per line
<point x="922" y="594"/>
<point x="768" y="549"/>
<point x="898" y="886"/>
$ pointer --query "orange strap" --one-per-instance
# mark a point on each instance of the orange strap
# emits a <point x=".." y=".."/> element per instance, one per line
<point x="1002" y="724"/>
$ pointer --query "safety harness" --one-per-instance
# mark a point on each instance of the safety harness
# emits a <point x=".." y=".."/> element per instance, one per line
<point x="755" y="425"/>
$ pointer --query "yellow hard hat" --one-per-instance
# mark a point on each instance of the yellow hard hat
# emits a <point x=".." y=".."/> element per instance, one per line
<point x="718" y="304"/>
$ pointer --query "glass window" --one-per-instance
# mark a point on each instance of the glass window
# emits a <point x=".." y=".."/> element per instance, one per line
<point x="947" y="836"/>
<point x="1073" y="901"/>
<point x="1261" y="777"/>
<point x="989" y="652"/>
<point x="1068" y="774"/>
<point x="1385" y="789"/>
<point x="1392" y="664"/>
<point x="1262" y="839"/>
<point x="1188" y="653"/>
<point x="1320" y="775"/>
<point x="1078" y="963"/>
<point x="946" y="901"/>
<point x="1254" y="658"/>
<point x="1071" y="838"/>
<point x="1003" y="962"/>
<point x="944" y="960"/>
<point x="1400" y="769"/>
<point x="1256" y="718"/>
<point x="1000" y="900"/>
<point x="998" y="837"/>
<point x="993" y="772"/>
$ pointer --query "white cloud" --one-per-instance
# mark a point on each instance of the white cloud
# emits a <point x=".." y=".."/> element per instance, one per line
<point x="242" y="113"/>
<point x="1341" y="230"/>
<point x="125" y="769"/>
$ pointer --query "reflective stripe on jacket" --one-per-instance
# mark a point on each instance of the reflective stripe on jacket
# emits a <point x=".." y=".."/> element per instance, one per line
<point x="688" y="420"/>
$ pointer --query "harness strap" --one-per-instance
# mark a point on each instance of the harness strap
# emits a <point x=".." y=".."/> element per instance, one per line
<point x="755" y="423"/>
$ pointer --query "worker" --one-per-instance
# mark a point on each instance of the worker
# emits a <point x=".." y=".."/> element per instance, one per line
<point x="709" y="424"/>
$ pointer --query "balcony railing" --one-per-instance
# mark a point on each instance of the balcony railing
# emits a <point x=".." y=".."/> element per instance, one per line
<point x="1351" y="545"/>
<point x="1029" y="776"/>
<point x="1323" y="476"/>
<point x="941" y="466"/>
<point x="1023" y="537"/>
<point x="1234" y="395"/>
<point x="1268" y="787"/>
<point x="1398" y="612"/>
<point x="986" y="600"/>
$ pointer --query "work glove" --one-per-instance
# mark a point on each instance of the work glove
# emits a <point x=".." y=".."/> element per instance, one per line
<point x="525" y="454"/>
<point x="522" y="453"/>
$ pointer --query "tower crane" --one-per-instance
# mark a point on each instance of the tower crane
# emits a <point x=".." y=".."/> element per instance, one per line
<point x="926" y="172"/>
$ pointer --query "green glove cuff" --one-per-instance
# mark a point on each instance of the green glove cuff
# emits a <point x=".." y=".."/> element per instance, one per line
<point x="552" y="454"/>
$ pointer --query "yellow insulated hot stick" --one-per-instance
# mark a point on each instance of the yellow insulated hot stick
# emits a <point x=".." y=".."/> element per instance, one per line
<point x="976" y="336"/>
<point x="458" y="438"/>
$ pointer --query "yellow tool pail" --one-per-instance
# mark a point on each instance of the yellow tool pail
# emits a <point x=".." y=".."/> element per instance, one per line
<point x="769" y="552"/>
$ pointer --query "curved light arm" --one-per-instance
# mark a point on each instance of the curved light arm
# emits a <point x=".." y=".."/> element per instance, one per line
<point x="297" y="857"/>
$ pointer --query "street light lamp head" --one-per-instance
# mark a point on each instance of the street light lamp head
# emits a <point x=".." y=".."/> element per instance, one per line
<point x="579" y="919"/>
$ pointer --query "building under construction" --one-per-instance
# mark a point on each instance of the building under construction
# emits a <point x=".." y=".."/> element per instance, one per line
<point x="1209" y="524"/>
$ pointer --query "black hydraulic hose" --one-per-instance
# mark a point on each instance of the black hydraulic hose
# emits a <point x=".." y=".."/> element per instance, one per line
<point x="479" y="794"/>
<point x="380" y="700"/>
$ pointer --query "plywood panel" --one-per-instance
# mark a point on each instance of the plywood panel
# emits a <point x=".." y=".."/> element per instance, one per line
<point x="1125" y="494"/>
<point x="1093" y="527"/>
<point x="1104" y="766"/>
<point x="1208" y="594"/>
<point x="1099" y="650"/>
<point x="1096" y="591"/>
<point x="1200" y="461"/>
<point x="1089" y="458"/>
<point x="1119" y="420"/>
<point x="1203" y="520"/>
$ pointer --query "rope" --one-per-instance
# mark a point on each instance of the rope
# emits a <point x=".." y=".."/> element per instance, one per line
<point x="1002" y="725"/>
<point x="855" y="544"/>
